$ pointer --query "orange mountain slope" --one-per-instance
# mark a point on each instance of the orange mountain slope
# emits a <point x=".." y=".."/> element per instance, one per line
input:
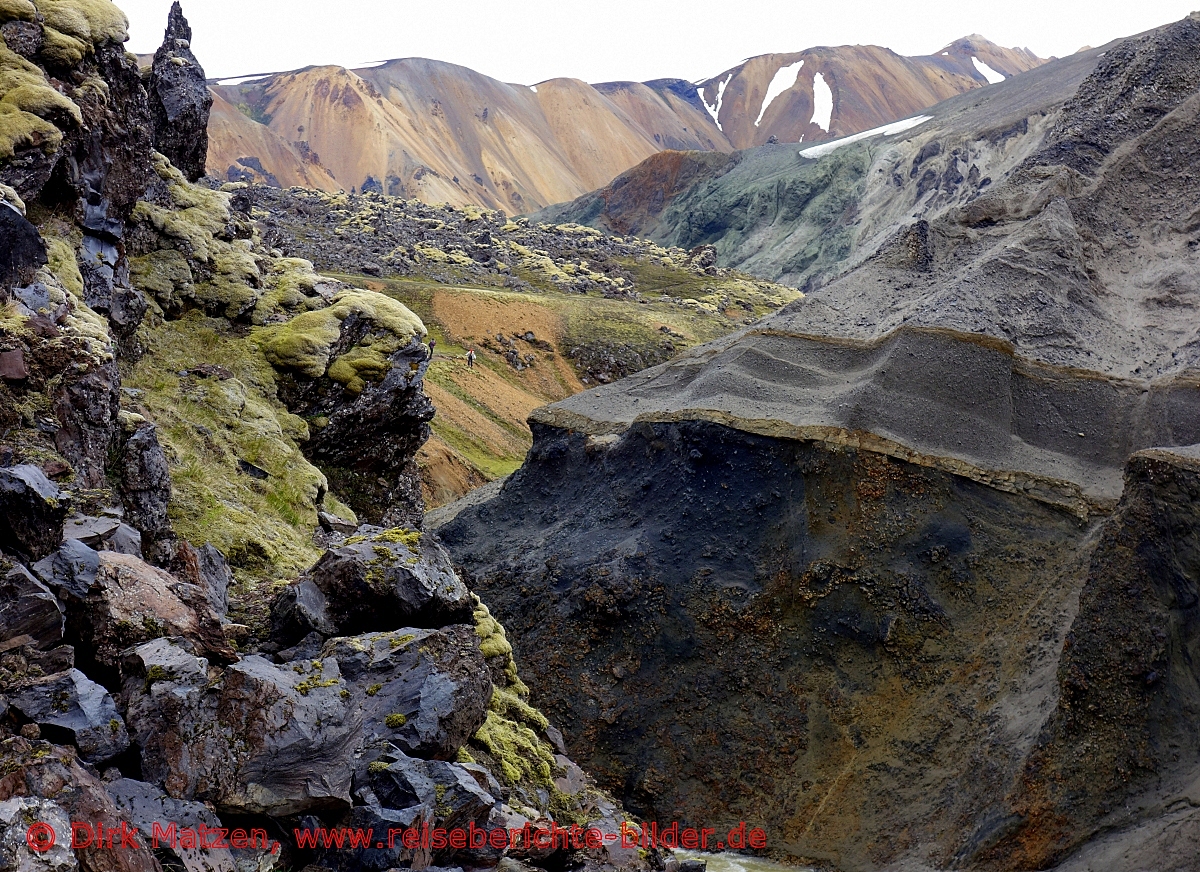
<point x="439" y="132"/>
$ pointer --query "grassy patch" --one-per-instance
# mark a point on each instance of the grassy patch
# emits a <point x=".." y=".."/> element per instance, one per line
<point x="207" y="426"/>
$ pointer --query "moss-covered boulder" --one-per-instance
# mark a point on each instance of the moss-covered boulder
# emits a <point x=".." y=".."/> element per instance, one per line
<point x="309" y="344"/>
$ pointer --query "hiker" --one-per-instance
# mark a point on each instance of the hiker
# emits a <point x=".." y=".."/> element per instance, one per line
<point x="471" y="358"/>
<point x="432" y="345"/>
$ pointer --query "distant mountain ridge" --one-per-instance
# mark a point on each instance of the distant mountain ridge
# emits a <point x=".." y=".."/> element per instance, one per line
<point x="826" y="93"/>
<point x="439" y="132"/>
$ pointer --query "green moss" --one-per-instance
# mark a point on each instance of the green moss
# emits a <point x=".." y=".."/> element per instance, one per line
<point x="165" y="275"/>
<point x="374" y="689"/>
<point x="233" y="288"/>
<point x="207" y="426"/>
<point x="21" y="10"/>
<point x="195" y="217"/>
<point x="22" y="130"/>
<point x="520" y="755"/>
<point x="395" y="721"/>
<point x="91" y="21"/>
<point x="290" y="288"/>
<point x="377" y="767"/>
<point x="62" y="50"/>
<point x="493" y="640"/>
<point x="156" y="673"/>
<point x="505" y="702"/>
<point x="411" y="539"/>
<point x="42" y="100"/>
<point x="305" y="343"/>
<point x="307" y="686"/>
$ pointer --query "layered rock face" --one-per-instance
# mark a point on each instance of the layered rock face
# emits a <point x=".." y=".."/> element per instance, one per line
<point x="194" y="629"/>
<point x="901" y="573"/>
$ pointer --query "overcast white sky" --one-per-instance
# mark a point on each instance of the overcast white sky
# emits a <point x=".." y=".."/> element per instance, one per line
<point x="527" y="41"/>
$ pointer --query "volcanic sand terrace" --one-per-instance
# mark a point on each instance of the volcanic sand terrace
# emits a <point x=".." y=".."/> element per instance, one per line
<point x="968" y="404"/>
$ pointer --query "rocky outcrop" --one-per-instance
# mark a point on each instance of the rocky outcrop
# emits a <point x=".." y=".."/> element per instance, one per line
<point x="379" y="577"/>
<point x="72" y="709"/>
<point x="23" y="253"/>
<point x="28" y="610"/>
<point x="44" y="783"/>
<point x="86" y="406"/>
<point x="369" y="445"/>
<point x="357" y="366"/>
<point x="130" y="602"/>
<point x="426" y="692"/>
<point x="146" y="490"/>
<point x="179" y="99"/>
<point x="1120" y="747"/>
<point x="33" y="511"/>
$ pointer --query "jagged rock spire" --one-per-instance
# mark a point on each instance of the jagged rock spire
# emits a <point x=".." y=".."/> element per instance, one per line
<point x="179" y="99"/>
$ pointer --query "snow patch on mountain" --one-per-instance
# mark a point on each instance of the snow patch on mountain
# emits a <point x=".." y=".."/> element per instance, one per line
<point x="784" y="80"/>
<point x="715" y="109"/>
<point x="887" y="130"/>
<point x="993" y="77"/>
<point x="822" y="103"/>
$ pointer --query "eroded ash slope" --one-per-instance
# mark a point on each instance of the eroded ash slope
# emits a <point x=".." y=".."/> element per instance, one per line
<point x="903" y="573"/>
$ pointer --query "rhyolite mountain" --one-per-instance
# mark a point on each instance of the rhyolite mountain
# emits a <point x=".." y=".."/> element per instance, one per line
<point x="801" y="215"/>
<point x="217" y="608"/>
<point x="439" y="132"/>
<point x="905" y="573"/>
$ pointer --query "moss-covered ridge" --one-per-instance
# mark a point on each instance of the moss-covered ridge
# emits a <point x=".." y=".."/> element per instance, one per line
<point x="221" y="302"/>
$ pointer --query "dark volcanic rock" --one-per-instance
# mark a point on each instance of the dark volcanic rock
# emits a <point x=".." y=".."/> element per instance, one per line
<point x="146" y="486"/>
<point x="369" y="446"/>
<point x="406" y="782"/>
<point x="278" y="738"/>
<point x="104" y="534"/>
<point x="22" y="253"/>
<point x="1126" y="733"/>
<point x="131" y="602"/>
<point x="71" y="570"/>
<point x="145" y="805"/>
<point x="86" y="407"/>
<point x="72" y="709"/>
<point x="449" y="790"/>
<point x="736" y="592"/>
<point x="42" y="782"/>
<point x="32" y="511"/>
<point x="179" y="99"/>
<point x="300" y="610"/>
<point x="28" y="609"/>
<point x="376" y="858"/>
<point x="266" y="739"/>
<point x="377" y="580"/>
<point x="216" y="578"/>
<point x="106" y="287"/>
<point x="426" y="692"/>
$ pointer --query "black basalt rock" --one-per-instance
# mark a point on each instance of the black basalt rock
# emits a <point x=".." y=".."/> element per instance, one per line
<point x="180" y="101"/>
<point x="22" y="253"/>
